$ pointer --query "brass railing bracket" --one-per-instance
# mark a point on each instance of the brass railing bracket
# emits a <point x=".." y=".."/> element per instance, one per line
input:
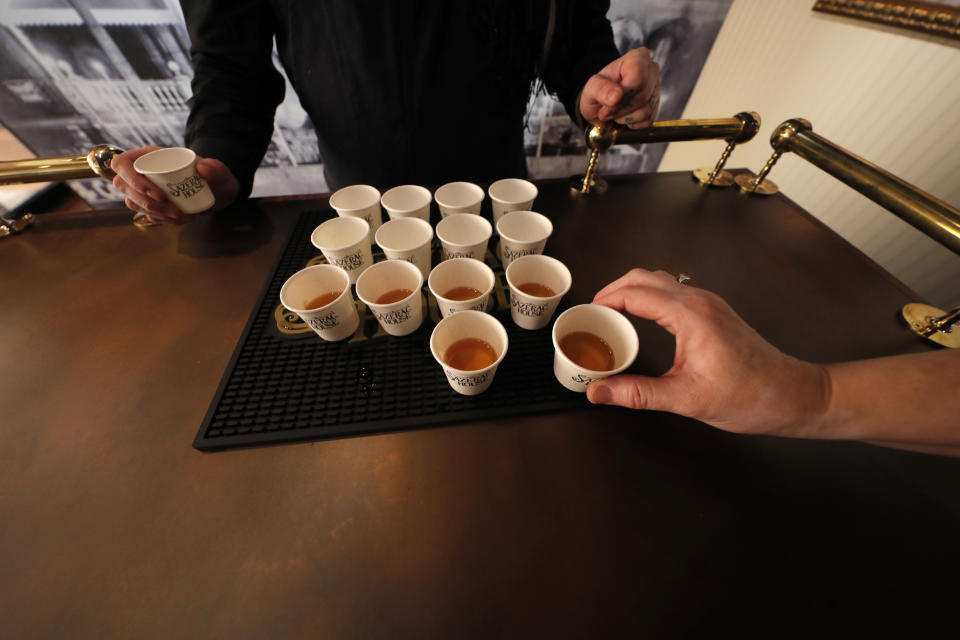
<point x="933" y="323"/>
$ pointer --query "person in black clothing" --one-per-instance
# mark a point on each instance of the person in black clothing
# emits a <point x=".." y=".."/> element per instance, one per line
<point x="422" y="92"/>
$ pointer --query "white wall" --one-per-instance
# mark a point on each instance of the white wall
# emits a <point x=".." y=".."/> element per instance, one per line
<point x="888" y="95"/>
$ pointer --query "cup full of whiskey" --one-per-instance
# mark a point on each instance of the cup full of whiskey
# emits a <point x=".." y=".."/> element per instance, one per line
<point x="391" y="290"/>
<point x="537" y="283"/>
<point x="469" y="346"/>
<point x="460" y="284"/>
<point x="592" y="342"/>
<point x="321" y="296"/>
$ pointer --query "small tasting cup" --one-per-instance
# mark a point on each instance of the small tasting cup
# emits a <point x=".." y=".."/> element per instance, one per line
<point x="459" y="197"/>
<point x="397" y="318"/>
<point x="461" y="272"/>
<point x="407" y="239"/>
<point x="174" y="170"/>
<point x="464" y="236"/>
<point x="522" y="233"/>
<point x="332" y="322"/>
<point x="610" y="325"/>
<point x="529" y="311"/>
<point x="407" y="201"/>
<point x="511" y="194"/>
<point x="359" y="201"/>
<point x="344" y="243"/>
<point x="469" y="324"/>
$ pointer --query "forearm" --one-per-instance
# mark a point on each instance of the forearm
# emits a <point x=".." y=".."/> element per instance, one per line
<point x="909" y="401"/>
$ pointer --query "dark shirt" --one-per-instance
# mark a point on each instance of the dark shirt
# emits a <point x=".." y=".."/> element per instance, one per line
<point x="421" y="92"/>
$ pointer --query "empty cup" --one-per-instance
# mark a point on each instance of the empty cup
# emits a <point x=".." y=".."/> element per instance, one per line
<point x="522" y="233"/>
<point x="359" y="201"/>
<point x="511" y="194"/>
<point x="464" y="236"/>
<point x="407" y="239"/>
<point x="174" y="170"/>
<point x="407" y="201"/>
<point x="345" y="243"/>
<point x="458" y="197"/>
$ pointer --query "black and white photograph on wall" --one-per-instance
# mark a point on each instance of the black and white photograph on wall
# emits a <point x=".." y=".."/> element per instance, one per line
<point x="78" y="73"/>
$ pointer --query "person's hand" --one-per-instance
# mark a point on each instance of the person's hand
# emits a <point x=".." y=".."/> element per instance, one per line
<point x="723" y="372"/>
<point x="626" y="91"/>
<point x="143" y="195"/>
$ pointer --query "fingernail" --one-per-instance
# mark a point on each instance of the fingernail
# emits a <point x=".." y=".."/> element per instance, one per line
<point x="599" y="393"/>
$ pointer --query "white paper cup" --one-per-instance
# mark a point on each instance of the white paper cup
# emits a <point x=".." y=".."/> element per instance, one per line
<point x="459" y="197"/>
<point x="464" y="236"/>
<point x="174" y="170"/>
<point x="529" y="311"/>
<point x="359" y="201"/>
<point x="407" y="239"/>
<point x="344" y="243"/>
<point x="332" y="322"/>
<point x="407" y="201"/>
<point x="522" y="233"/>
<point x="469" y="324"/>
<point x="396" y="318"/>
<point x="461" y="272"/>
<point x="601" y="321"/>
<point x="511" y="194"/>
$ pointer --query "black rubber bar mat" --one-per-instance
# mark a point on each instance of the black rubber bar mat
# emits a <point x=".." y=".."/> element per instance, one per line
<point x="284" y="383"/>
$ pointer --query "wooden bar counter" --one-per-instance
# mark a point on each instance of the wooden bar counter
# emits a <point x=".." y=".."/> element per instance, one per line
<point x="596" y="523"/>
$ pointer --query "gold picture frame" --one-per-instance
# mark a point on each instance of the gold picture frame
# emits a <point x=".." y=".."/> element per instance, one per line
<point x="934" y="18"/>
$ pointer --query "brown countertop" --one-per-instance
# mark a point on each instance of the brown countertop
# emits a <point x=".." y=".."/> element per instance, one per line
<point x="596" y="523"/>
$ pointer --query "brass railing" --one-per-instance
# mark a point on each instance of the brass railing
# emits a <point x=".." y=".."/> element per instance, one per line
<point x="95" y="164"/>
<point x="738" y="129"/>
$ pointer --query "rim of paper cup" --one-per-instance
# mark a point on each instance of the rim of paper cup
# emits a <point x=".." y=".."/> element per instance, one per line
<point x="392" y="193"/>
<point x="484" y="223"/>
<point x="503" y="182"/>
<point x="538" y="257"/>
<point x="355" y="187"/>
<point x="419" y="221"/>
<point x="322" y="267"/>
<point x="393" y="264"/>
<point x="139" y="163"/>
<point x="454" y="261"/>
<point x="339" y="221"/>
<point x="473" y="188"/>
<point x="633" y="350"/>
<point x="500" y="329"/>
<point x="514" y="239"/>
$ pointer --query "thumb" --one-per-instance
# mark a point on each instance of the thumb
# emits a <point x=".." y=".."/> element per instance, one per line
<point x="633" y="392"/>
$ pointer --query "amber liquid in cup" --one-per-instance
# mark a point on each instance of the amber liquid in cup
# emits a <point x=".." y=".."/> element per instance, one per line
<point x="322" y="300"/>
<point x="536" y="289"/>
<point x="470" y="354"/>
<point x="394" y="295"/>
<point x="587" y="350"/>
<point x="462" y="293"/>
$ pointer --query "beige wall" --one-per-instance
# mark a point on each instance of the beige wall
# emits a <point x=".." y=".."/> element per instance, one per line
<point x="886" y="94"/>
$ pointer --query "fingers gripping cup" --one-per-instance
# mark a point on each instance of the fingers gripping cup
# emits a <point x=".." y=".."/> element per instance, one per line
<point x="511" y="194"/>
<point x="469" y="346"/>
<point x="321" y="296"/>
<point x="359" y="201"/>
<point x="464" y="236"/>
<point x="407" y="201"/>
<point x="407" y="239"/>
<point x="174" y="170"/>
<point x="391" y="290"/>
<point x="344" y="243"/>
<point x="459" y="197"/>
<point x="536" y="285"/>
<point x="461" y="284"/>
<point x="591" y="342"/>
<point x="522" y="233"/>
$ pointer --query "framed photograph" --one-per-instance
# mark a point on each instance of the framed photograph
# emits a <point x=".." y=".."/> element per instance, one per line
<point x="937" y="18"/>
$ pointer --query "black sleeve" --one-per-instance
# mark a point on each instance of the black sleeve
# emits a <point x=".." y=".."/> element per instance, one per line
<point x="582" y="45"/>
<point x="236" y="88"/>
